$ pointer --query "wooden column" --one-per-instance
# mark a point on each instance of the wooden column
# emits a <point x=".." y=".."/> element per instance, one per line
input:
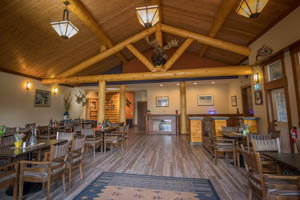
<point x="183" y="117"/>
<point x="101" y="101"/>
<point x="122" y="101"/>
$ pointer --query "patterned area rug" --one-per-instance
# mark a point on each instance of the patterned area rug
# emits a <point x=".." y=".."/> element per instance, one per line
<point x="119" y="186"/>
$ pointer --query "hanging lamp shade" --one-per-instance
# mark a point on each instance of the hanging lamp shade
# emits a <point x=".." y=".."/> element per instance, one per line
<point x="65" y="28"/>
<point x="251" y="8"/>
<point x="148" y="15"/>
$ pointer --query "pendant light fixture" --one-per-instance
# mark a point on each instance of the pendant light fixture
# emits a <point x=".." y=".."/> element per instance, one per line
<point x="65" y="28"/>
<point x="148" y="15"/>
<point x="251" y="8"/>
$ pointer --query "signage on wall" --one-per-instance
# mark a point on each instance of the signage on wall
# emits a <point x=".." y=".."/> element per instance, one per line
<point x="256" y="87"/>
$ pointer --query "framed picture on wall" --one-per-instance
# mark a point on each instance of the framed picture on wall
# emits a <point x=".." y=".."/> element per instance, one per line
<point x="42" y="98"/>
<point x="205" y="100"/>
<point x="258" y="97"/>
<point x="233" y="101"/>
<point x="162" y="101"/>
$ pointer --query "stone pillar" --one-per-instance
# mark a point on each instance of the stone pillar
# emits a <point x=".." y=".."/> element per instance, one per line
<point x="101" y="101"/>
<point x="122" y="103"/>
<point x="183" y="117"/>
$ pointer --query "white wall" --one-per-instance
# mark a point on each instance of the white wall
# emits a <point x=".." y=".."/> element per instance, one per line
<point x="283" y="34"/>
<point x="222" y="103"/>
<point x="17" y="104"/>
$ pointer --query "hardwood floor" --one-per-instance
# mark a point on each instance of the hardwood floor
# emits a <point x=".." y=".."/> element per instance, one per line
<point x="157" y="155"/>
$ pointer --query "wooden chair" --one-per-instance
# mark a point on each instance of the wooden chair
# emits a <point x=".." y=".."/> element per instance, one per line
<point x="235" y="129"/>
<point x="65" y="136"/>
<point x="221" y="145"/>
<point x="91" y="139"/>
<point x="9" y="176"/>
<point x="267" y="145"/>
<point x="76" y="156"/>
<point x="116" y="138"/>
<point x="45" y="171"/>
<point x="69" y="127"/>
<point x="267" y="186"/>
<point x="126" y="134"/>
<point x="45" y="133"/>
<point x="10" y="130"/>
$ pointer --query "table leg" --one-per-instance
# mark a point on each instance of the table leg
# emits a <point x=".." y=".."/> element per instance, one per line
<point x="103" y="138"/>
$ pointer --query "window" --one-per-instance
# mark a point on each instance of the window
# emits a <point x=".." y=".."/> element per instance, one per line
<point x="275" y="71"/>
<point x="279" y="104"/>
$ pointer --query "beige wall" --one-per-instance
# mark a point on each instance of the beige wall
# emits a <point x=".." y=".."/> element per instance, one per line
<point x="17" y="104"/>
<point x="286" y="32"/>
<point x="222" y="103"/>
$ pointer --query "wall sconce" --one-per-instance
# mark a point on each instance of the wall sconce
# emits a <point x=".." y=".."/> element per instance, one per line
<point x="55" y="90"/>
<point x="28" y="85"/>
<point x="256" y="78"/>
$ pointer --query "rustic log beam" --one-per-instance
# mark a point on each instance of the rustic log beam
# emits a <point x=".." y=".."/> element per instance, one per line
<point x="78" y="9"/>
<point x="223" y="12"/>
<point x="242" y="50"/>
<point x="97" y="58"/>
<point x="158" y="33"/>
<point x="188" y="73"/>
<point x="122" y="104"/>
<point x="177" y="54"/>
<point x="101" y="101"/>
<point x="141" y="57"/>
<point x="183" y="112"/>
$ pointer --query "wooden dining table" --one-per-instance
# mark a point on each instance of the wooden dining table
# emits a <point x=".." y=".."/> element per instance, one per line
<point x="288" y="159"/>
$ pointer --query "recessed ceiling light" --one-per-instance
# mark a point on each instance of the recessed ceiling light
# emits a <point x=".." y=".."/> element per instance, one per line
<point x="195" y="83"/>
<point x="161" y="85"/>
<point x="177" y="84"/>
<point x="212" y="82"/>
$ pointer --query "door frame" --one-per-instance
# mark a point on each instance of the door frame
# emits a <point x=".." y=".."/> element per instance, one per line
<point x="277" y="84"/>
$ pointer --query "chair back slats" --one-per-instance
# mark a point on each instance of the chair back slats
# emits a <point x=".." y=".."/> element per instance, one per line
<point x="266" y="145"/>
<point x="230" y="129"/>
<point x="8" y="140"/>
<point x="78" y="143"/>
<point x="10" y="130"/>
<point x="59" y="151"/>
<point x="88" y="126"/>
<point x="65" y="136"/>
<point x="88" y="132"/>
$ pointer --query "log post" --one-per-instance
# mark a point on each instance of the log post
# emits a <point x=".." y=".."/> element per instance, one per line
<point x="183" y="112"/>
<point x="101" y="101"/>
<point x="122" y="102"/>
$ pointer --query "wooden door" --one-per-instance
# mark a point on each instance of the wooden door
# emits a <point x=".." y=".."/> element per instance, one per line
<point x="141" y="114"/>
<point x="247" y="100"/>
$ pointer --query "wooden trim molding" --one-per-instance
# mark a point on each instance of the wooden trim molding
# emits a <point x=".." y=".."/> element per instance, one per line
<point x="296" y="75"/>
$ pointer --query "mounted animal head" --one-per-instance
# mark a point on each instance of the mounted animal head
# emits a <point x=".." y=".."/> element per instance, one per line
<point x="159" y="55"/>
<point x="81" y="98"/>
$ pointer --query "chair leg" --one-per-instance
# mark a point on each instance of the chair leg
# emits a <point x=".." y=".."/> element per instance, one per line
<point x="15" y="192"/>
<point x="43" y="185"/>
<point x="250" y="193"/>
<point x="80" y="170"/>
<point x="238" y="159"/>
<point x="21" y="182"/>
<point x="48" y="187"/>
<point x="64" y="181"/>
<point x="94" y="151"/>
<point x="216" y="153"/>
<point x="70" y="176"/>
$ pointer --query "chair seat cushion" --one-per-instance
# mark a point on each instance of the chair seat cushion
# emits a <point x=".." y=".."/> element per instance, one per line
<point x="43" y="175"/>
<point x="93" y="141"/>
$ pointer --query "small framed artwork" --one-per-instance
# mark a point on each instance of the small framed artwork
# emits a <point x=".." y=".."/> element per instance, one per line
<point x="233" y="101"/>
<point x="258" y="97"/>
<point x="42" y="98"/>
<point x="205" y="100"/>
<point x="162" y="101"/>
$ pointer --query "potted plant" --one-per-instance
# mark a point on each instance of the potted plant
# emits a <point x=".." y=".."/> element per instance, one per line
<point x="19" y="139"/>
<point x="67" y="105"/>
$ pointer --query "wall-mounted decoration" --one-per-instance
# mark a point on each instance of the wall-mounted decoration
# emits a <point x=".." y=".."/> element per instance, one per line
<point x="258" y="97"/>
<point x="263" y="52"/>
<point x="205" y="100"/>
<point x="42" y="98"/>
<point x="162" y="101"/>
<point x="81" y="98"/>
<point x="233" y="101"/>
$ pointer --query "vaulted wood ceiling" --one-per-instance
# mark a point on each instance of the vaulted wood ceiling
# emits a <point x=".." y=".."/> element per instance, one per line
<point x="30" y="46"/>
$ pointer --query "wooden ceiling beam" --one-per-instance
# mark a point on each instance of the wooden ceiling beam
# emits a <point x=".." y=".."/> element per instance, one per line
<point x="141" y="57"/>
<point x="158" y="33"/>
<point x="177" y="54"/>
<point x="223" y="12"/>
<point x="97" y="58"/>
<point x="242" y="50"/>
<point x="78" y="9"/>
<point x="188" y="73"/>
